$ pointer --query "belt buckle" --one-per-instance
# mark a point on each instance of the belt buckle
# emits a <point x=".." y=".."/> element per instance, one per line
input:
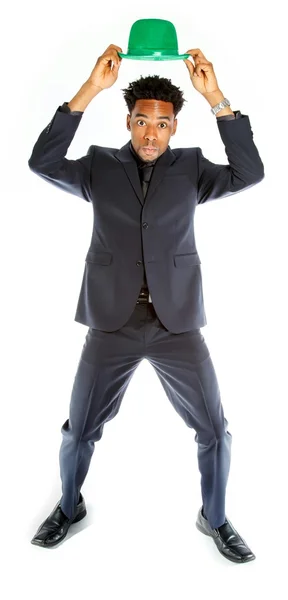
<point x="144" y="298"/>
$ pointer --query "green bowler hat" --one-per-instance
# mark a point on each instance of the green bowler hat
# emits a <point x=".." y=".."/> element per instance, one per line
<point x="153" y="39"/>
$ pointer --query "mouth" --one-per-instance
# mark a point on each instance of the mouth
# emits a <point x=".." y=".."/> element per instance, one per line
<point x="149" y="149"/>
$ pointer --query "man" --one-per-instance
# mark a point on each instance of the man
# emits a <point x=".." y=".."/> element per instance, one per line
<point x="141" y="293"/>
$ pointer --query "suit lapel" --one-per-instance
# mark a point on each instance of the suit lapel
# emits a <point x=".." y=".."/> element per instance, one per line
<point x="125" y="156"/>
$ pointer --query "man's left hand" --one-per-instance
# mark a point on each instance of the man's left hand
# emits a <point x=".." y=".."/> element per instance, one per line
<point x="205" y="81"/>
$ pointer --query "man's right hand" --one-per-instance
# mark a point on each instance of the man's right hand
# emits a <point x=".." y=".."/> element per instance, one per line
<point x="102" y="75"/>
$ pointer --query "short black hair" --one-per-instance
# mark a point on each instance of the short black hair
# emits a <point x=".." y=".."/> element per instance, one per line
<point x="154" y="87"/>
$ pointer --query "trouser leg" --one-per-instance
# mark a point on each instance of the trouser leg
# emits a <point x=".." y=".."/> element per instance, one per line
<point x="185" y="369"/>
<point x="107" y="363"/>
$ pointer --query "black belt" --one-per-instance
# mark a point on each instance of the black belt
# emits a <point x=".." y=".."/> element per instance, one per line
<point x="144" y="297"/>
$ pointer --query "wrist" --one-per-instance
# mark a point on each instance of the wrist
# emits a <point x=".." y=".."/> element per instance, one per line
<point x="86" y="93"/>
<point x="92" y="87"/>
<point x="214" y="98"/>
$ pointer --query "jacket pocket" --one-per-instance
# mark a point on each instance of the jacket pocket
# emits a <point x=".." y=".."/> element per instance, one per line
<point x="186" y="260"/>
<point x="99" y="258"/>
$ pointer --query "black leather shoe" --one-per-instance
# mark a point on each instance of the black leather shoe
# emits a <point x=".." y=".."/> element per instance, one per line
<point x="54" y="529"/>
<point x="227" y="540"/>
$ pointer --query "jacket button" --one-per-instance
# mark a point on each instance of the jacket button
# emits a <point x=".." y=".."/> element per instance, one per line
<point x="139" y="262"/>
<point x="145" y="225"/>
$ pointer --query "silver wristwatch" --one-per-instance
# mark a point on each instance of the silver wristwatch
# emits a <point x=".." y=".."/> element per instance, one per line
<point x="219" y="106"/>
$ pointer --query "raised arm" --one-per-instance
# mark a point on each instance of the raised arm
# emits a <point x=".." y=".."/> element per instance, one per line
<point x="48" y="155"/>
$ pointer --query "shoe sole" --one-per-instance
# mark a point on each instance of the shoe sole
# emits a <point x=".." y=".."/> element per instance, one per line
<point x="53" y="544"/>
<point x="235" y="560"/>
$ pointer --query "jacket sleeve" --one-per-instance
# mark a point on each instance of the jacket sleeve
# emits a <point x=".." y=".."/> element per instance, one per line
<point x="48" y="156"/>
<point x="245" y="168"/>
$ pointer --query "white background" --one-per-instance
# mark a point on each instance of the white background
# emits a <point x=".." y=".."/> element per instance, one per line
<point x="142" y="491"/>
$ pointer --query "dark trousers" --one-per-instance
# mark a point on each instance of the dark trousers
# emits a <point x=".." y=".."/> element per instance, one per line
<point x="185" y="369"/>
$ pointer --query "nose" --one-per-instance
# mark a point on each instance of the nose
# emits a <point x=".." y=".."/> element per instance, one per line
<point x="150" y="134"/>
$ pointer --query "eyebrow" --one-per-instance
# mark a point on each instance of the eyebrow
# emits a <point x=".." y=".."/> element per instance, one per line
<point x="146" y="116"/>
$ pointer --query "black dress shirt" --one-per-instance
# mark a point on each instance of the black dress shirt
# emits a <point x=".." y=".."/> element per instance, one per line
<point x="145" y="169"/>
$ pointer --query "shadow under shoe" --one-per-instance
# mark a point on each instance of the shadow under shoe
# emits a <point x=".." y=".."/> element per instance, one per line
<point x="54" y="529"/>
<point x="228" y="541"/>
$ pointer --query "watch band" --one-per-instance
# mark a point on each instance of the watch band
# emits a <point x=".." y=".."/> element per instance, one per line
<point x="219" y="106"/>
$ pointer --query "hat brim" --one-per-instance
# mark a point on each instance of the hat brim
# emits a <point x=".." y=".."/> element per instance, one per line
<point x="153" y="57"/>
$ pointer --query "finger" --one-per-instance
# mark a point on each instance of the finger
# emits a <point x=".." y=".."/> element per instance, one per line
<point x="200" y="69"/>
<point x="111" y="52"/>
<point x="189" y="66"/>
<point x="195" y="52"/>
<point x="111" y="56"/>
<point x="116" y="47"/>
<point x="194" y="70"/>
<point x="206" y="67"/>
<point x="197" y="55"/>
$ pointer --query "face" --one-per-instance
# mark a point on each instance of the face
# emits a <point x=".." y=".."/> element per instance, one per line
<point x="151" y="124"/>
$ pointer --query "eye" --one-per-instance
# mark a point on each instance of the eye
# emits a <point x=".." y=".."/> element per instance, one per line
<point x="165" y="124"/>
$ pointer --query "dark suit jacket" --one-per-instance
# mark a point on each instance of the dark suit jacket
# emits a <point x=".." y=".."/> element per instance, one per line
<point x="158" y="233"/>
